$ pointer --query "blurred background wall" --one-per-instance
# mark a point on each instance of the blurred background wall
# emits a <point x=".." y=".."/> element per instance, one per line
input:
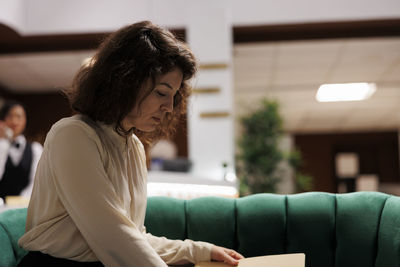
<point x="247" y="50"/>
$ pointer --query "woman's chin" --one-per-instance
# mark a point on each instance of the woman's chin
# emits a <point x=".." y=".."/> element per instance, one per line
<point x="147" y="129"/>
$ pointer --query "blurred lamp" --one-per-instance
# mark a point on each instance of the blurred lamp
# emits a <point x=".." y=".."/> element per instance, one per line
<point x="347" y="165"/>
<point x="345" y="92"/>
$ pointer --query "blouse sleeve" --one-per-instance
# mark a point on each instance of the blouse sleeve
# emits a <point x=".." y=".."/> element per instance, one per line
<point x="92" y="203"/>
<point x="178" y="251"/>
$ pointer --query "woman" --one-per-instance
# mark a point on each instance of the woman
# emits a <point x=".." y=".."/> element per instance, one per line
<point x="89" y="200"/>
<point x="18" y="158"/>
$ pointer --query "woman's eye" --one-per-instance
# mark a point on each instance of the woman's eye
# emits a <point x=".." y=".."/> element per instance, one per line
<point x="160" y="93"/>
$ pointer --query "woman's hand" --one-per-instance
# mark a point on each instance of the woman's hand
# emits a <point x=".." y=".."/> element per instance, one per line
<point x="226" y="255"/>
<point x="3" y="129"/>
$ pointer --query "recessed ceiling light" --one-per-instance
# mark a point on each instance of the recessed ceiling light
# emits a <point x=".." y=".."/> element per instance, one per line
<point x="345" y="92"/>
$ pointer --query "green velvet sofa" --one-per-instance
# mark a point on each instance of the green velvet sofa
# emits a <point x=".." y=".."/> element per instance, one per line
<point x="343" y="230"/>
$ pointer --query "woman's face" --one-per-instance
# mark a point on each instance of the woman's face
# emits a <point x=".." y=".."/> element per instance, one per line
<point x="152" y="110"/>
<point x="16" y="120"/>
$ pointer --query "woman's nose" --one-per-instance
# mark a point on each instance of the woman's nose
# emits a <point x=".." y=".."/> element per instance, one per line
<point x="168" y="105"/>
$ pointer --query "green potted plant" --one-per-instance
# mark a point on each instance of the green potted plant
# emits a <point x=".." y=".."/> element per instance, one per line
<point x="259" y="153"/>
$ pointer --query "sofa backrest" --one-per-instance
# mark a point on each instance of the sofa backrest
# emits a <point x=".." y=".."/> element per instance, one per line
<point x="12" y="227"/>
<point x="356" y="229"/>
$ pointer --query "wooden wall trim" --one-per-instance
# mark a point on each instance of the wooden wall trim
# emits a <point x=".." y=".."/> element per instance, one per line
<point x="319" y="30"/>
<point x="11" y="42"/>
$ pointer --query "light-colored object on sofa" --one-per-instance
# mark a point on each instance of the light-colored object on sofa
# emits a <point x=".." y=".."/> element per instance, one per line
<point x="283" y="260"/>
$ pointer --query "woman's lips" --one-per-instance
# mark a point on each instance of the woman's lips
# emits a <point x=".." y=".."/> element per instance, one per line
<point x="157" y="119"/>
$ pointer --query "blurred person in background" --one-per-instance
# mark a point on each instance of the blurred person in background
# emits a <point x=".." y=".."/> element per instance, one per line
<point x="18" y="157"/>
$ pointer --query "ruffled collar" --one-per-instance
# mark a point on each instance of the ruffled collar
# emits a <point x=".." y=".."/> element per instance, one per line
<point x="120" y="141"/>
<point x="109" y="129"/>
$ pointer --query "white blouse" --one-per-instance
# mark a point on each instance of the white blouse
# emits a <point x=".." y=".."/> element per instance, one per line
<point x="89" y="201"/>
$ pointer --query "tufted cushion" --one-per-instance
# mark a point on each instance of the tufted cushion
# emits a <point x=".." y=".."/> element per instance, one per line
<point x="311" y="227"/>
<point x="388" y="253"/>
<point x="357" y="224"/>
<point x="12" y="226"/>
<point x="166" y="217"/>
<point x="7" y="258"/>
<point x="262" y="212"/>
<point x="212" y="219"/>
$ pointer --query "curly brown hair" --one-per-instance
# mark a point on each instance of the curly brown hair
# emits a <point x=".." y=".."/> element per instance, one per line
<point x="108" y="88"/>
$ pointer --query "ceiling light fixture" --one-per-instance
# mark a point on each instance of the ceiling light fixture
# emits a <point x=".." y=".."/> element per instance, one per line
<point x="345" y="92"/>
